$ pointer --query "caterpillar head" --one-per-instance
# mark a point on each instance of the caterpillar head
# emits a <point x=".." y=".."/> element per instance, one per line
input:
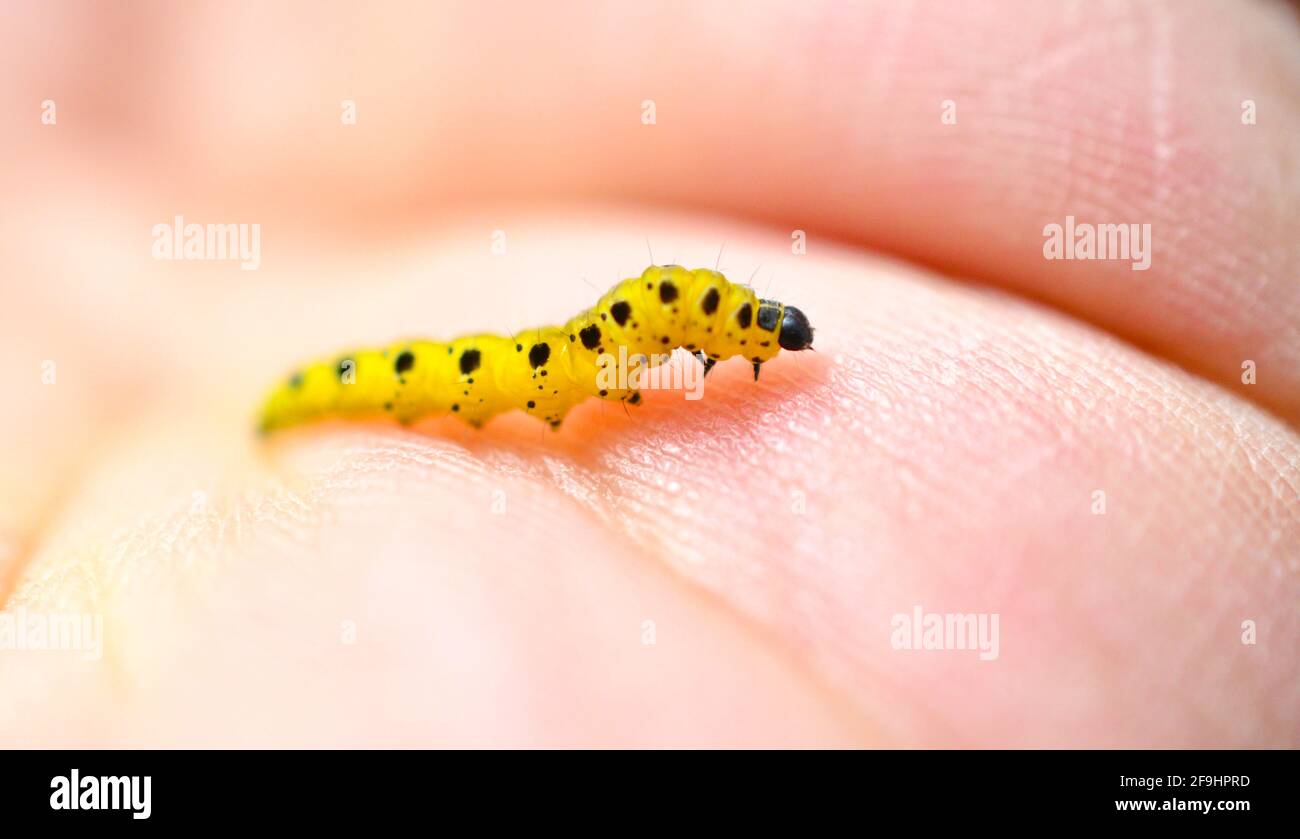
<point x="796" y="331"/>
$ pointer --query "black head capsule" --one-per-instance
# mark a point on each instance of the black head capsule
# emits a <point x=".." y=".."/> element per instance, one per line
<point x="796" y="331"/>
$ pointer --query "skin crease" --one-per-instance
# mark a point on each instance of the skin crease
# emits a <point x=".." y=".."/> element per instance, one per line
<point x="942" y="448"/>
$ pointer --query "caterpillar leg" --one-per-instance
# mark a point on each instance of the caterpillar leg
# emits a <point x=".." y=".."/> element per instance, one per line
<point x="757" y="364"/>
<point x="706" y="361"/>
<point x="555" y="417"/>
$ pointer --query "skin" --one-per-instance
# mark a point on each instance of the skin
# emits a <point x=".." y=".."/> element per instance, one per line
<point x="942" y="447"/>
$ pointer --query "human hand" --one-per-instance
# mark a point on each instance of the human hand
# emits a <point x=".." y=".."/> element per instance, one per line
<point x="364" y="584"/>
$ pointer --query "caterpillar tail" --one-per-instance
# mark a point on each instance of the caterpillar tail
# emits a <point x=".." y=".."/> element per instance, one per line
<point x="547" y="370"/>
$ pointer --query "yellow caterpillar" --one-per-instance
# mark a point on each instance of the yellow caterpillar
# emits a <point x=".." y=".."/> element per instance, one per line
<point x="548" y="370"/>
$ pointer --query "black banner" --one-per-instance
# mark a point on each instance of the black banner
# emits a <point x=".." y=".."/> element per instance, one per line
<point x="231" y="788"/>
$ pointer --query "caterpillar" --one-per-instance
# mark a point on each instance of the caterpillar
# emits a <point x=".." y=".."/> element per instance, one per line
<point x="547" y="370"/>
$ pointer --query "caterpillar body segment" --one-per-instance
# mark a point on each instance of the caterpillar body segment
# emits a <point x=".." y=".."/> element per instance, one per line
<point x="547" y="370"/>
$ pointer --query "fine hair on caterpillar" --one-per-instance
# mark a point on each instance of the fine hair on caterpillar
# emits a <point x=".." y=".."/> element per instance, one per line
<point x="610" y="351"/>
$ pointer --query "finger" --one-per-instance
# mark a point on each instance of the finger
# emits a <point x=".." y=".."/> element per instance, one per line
<point x="949" y="133"/>
<point x="948" y="446"/>
<point x="960" y="454"/>
<point x="375" y="589"/>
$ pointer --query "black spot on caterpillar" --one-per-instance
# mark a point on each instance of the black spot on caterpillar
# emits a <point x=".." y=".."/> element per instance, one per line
<point x="675" y="306"/>
<point x="709" y="304"/>
<point x="744" y="315"/>
<point x="539" y="355"/>
<point x="469" y="361"/>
